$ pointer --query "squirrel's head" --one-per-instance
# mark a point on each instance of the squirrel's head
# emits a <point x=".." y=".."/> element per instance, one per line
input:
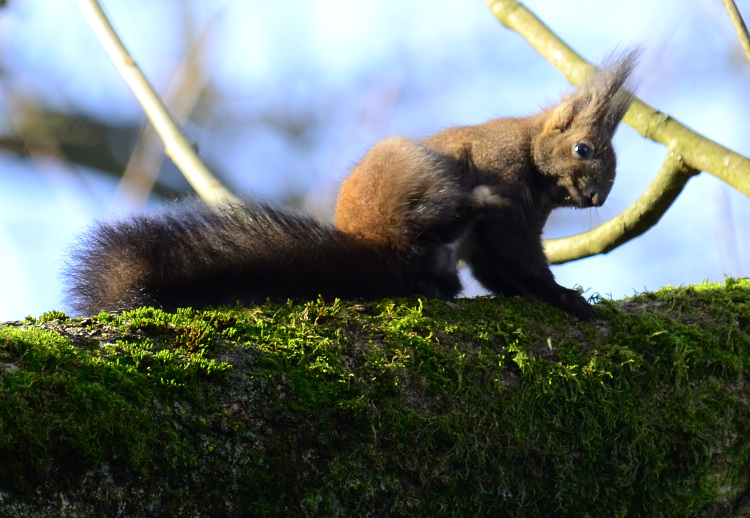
<point x="573" y="151"/>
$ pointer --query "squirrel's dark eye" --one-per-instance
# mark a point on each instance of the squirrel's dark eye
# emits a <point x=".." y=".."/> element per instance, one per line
<point x="583" y="150"/>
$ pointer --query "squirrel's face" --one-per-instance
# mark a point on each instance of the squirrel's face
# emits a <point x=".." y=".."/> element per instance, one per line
<point x="578" y="166"/>
<point x="572" y="150"/>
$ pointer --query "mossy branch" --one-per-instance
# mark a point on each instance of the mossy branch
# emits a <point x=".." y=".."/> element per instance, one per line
<point x="177" y="146"/>
<point x="689" y="151"/>
<point x="501" y="404"/>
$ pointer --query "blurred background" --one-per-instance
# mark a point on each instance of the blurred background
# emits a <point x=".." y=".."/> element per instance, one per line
<point x="282" y="101"/>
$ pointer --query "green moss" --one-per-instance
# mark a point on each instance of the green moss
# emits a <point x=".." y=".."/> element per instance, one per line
<point x="60" y="408"/>
<point x="397" y="407"/>
<point x="52" y="315"/>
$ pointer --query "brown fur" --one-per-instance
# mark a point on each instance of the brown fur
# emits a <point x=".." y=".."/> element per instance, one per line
<point x="399" y="194"/>
<point x="404" y="193"/>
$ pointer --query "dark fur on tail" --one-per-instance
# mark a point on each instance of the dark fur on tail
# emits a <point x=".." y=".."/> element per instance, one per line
<point x="192" y="255"/>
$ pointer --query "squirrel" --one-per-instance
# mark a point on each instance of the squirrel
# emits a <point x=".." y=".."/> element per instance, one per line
<point x="193" y="255"/>
<point x="561" y="156"/>
<point x="405" y="216"/>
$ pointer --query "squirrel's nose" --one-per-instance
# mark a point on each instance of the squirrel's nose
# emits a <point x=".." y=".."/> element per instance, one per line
<point x="597" y="200"/>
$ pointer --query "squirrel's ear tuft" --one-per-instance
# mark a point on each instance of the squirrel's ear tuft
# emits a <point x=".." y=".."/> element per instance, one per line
<point x="603" y="99"/>
<point x="609" y="88"/>
<point x="563" y="115"/>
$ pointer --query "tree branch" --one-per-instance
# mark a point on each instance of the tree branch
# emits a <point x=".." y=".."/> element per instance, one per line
<point x="181" y="95"/>
<point x="694" y="149"/>
<point x="176" y="144"/>
<point x="739" y="25"/>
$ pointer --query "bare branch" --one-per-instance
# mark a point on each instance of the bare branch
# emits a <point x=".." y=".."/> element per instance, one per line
<point x="181" y="95"/>
<point x="739" y="25"/>
<point x="177" y="146"/>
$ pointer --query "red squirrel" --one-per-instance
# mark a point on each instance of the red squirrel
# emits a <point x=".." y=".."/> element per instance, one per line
<point x="404" y="217"/>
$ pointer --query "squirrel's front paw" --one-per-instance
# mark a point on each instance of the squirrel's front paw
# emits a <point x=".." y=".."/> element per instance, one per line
<point x="574" y="303"/>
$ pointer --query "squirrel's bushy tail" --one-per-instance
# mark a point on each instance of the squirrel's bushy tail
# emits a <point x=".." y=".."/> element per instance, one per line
<point x="193" y="255"/>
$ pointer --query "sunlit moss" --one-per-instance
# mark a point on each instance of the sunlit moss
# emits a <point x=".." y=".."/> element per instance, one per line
<point x="495" y="407"/>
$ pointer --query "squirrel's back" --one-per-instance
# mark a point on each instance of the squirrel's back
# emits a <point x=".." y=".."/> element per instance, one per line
<point x="404" y="194"/>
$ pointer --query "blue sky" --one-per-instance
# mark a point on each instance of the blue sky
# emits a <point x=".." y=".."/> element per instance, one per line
<point x="351" y="72"/>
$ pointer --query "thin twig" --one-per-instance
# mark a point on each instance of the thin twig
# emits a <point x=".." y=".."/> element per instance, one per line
<point x="739" y="25"/>
<point x="181" y="95"/>
<point x="176" y="144"/>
